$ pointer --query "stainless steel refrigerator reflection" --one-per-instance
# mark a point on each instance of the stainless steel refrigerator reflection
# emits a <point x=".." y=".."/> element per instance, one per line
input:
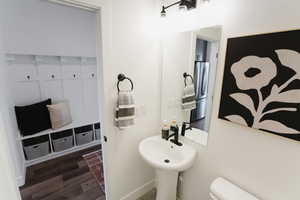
<point x="201" y="73"/>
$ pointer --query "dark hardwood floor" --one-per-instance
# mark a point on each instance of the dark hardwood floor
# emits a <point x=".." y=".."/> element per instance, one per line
<point x="63" y="178"/>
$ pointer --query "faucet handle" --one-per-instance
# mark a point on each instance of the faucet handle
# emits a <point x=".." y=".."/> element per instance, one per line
<point x="184" y="127"/>
<point x="190" y="126"/>
<point x="174" y="128"/>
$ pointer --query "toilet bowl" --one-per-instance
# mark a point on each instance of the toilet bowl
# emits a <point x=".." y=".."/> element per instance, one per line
<point x="221" y="189"/>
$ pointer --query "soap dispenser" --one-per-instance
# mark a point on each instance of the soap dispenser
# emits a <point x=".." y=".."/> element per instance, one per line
<point x="165" y="131"/>
<point x="173" y="124"/>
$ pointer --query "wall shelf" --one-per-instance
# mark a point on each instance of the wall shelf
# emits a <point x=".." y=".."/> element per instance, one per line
<point x="49" y="59"/>
<point x="50" y="131"/>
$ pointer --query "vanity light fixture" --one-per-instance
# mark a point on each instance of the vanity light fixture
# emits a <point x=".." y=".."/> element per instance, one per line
<point x="183" y="5"/>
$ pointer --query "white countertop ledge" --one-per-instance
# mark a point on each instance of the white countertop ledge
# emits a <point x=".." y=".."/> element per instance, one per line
<point x="196" y="135"/>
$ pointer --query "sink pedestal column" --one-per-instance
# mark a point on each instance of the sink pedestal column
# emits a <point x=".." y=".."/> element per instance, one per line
<point x="166" y="184"/>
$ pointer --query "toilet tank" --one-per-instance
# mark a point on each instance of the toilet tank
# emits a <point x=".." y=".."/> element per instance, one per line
<point x="222" y="189"/>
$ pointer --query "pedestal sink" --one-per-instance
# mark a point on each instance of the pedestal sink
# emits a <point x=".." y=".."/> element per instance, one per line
<point x="168" y="160"/>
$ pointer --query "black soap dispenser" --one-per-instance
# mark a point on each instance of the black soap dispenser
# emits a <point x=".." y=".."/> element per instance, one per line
<point x="165" y="131"/>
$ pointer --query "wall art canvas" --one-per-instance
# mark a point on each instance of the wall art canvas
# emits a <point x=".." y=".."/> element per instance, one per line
<point x="261" y="83"/>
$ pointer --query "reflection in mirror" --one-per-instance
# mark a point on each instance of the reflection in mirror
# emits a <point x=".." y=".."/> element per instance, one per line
<point x="189" y="64"/>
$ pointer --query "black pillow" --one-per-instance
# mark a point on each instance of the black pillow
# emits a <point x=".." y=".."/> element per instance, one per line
<point x="33" y="118"/>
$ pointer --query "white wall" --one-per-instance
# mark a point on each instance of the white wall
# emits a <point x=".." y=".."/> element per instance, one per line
<point x="43" y="28"/>
<point x="9" y="120"/>
<point x="260" y="162"/>
<point x="11" y="128"/>
<point x="178" y="50"/>
<point x="133" y="50"/>
<point x="8" y="187"/>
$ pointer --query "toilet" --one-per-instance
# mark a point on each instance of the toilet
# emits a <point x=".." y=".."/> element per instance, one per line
<point x="222" y="189"/>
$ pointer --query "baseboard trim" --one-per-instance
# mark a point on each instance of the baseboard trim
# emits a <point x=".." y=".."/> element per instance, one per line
<point x="140" y="191"/>
<point x="21" y="179"/>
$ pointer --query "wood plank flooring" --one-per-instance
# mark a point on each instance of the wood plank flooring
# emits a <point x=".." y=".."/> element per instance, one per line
<point x="64" y="178"/>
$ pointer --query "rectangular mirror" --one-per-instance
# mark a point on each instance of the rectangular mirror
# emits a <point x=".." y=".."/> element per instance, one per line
<point x="188" y="79"/>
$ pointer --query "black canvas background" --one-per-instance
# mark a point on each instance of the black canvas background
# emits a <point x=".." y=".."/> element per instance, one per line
<point x="263" y="46"/>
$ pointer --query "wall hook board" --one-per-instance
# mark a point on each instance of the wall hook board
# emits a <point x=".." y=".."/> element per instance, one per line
<point x="83" y="60"/>
<point x="185" y="76"/>
<point x="10" y="58"/>
<point x="122" y="77"/>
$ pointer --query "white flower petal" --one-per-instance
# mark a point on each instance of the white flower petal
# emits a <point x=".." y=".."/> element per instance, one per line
<point x="268" y="70"/>
<point x="290" y="59"/>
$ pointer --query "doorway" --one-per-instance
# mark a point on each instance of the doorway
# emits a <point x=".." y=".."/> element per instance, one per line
<point x="66" y="161"/>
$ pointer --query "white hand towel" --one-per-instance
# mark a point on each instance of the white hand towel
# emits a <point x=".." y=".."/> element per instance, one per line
<point x="125" y="110"/>
<point x="189" y="98"/>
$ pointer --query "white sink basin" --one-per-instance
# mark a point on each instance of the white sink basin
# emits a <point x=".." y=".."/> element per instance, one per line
<point x="162" y="154"/>
<point x="168" y="159"/>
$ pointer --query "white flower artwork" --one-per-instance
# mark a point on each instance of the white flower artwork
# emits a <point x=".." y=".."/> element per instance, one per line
<point x="262" y="90"/>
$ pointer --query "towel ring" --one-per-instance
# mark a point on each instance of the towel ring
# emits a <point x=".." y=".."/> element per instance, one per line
<point x="122" y="77"/>
<point x="186" y="75"/>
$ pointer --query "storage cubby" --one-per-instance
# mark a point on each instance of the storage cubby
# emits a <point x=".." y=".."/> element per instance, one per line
<point x="55" y="143"/>
<point x="36" y="147"/>
<point x="62" y="140"/>
<point x="84" y="134"/>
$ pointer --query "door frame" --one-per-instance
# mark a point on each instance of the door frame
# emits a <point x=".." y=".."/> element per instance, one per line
<point x="8" y="185"/>
<point x="102" y="8"/>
